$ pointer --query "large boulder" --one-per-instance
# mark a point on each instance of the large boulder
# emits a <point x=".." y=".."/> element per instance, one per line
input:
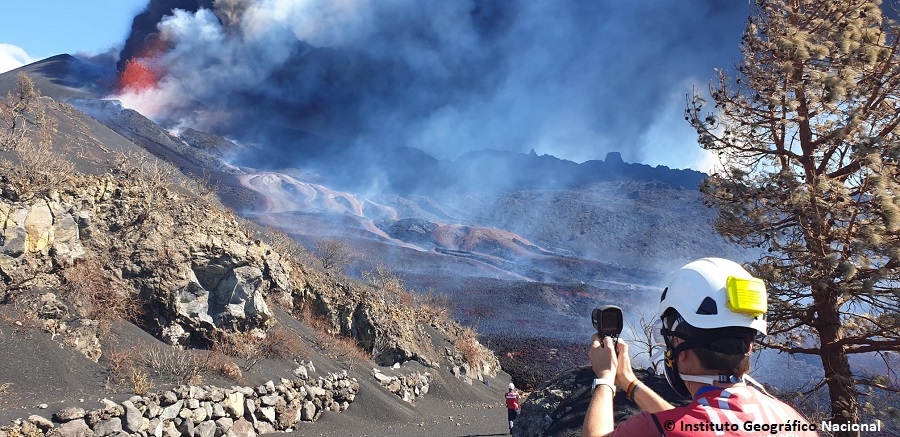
<point x="41" y="226"/>
<point x="38" y="228"/>
<point x="232" y="302"/>
<point x="240" y="296"/>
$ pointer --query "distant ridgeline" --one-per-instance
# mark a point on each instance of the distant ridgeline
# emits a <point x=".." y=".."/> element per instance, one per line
<point x="615" y="168"/>
<point x="548" y="171"/>
<point x="412" y="171"/>
<point x="510" y="170"/>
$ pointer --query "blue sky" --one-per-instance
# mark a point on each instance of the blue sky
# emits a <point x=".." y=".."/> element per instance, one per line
<point x="36" y="29"/>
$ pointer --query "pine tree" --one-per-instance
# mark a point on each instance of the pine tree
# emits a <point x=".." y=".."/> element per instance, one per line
<point x="14" y="109"/>
<point x="806" y="131"/>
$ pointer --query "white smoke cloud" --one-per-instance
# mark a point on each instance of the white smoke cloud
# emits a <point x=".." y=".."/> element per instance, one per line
<point x="12" y="57"/>
<point x="320" y="23"/>
<point x="575" y="79"/>
<point x="669" y="140"/>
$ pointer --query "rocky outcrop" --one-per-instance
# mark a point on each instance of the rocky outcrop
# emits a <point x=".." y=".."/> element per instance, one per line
<point x="200" y="269"/>
<point x="557" y="408"/>
<point x="392" y="331"/>
<point x="406" y="386"/>
<point x="56" y="318"/>
<point x="50" y="227"/>
<point x="203" y="411"/>
<point x="195" y="269"/>
<point x="486" y="365"/>
<point x="380" y="324"/>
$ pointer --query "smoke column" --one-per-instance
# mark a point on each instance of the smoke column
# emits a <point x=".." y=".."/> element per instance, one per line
<point x="307" y="78"/>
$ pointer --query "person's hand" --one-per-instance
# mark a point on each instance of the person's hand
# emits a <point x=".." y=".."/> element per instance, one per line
<point x="624" y="371"/>
<point x="603" y="357"/>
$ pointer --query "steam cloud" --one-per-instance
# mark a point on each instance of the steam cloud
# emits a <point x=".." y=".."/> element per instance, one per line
<point x="574" y="78"/>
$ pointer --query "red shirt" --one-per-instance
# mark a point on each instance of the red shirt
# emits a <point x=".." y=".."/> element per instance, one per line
<point x="512" y="400"/>
<point x="735" y="411"/>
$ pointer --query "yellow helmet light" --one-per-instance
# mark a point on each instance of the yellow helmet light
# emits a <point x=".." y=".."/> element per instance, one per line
<point x="746" y="295"/>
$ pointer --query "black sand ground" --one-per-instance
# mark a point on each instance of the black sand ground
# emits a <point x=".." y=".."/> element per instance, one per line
<point x="35" y="369"/>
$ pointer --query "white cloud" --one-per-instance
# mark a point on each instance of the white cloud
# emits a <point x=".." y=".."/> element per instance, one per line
<point x="12" y="57"/>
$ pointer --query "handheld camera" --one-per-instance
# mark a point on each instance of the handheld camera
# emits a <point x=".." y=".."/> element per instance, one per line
<point x="608" y="321"/>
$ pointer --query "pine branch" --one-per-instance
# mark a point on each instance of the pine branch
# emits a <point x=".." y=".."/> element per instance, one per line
<point x="871" y="383"/>
<point x="790" y="349"/>
<point x="872" y="346"/>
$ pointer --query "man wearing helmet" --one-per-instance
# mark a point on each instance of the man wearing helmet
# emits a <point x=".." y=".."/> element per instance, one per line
<point x="512" y="405"/>
<point x="709" y="315"/>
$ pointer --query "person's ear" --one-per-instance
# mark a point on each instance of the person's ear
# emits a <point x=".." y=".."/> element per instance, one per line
<point x="681" y="355"/>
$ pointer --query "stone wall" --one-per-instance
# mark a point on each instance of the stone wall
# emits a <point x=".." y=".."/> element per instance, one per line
<point x="202" y="411"/>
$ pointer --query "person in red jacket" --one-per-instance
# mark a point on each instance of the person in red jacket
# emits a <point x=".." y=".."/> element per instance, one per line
<point x="512" y="405"/>
<point x="709" y="316"/>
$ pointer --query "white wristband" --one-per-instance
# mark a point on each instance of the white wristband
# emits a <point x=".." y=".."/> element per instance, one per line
<point x="601" y="381"/>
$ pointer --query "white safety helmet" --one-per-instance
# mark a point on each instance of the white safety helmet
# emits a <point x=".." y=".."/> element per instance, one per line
<point x="709" y="293"/>
<point x="716" y="293"/>
<point x="512" y="386"/>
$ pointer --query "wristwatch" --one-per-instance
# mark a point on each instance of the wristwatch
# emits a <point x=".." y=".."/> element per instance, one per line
<point x="601" y="381"/>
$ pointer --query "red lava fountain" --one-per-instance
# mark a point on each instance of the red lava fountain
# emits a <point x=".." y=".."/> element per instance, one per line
<point x="143" y="72"/>
<point x="137" y="77"/>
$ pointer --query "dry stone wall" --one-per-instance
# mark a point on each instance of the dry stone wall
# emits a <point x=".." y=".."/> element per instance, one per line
<point x="202" y="411"/>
